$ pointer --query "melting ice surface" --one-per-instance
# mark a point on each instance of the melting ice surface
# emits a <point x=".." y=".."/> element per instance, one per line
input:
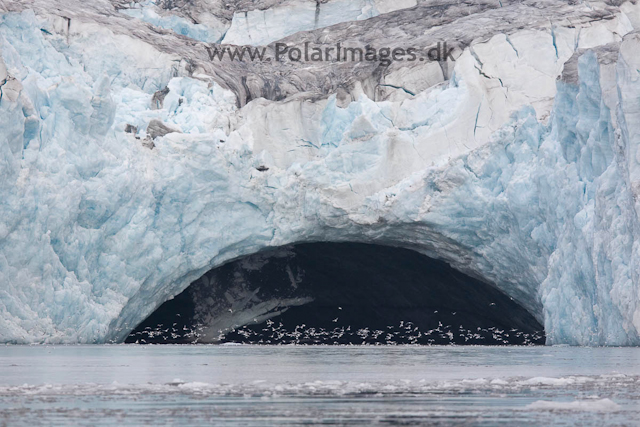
<point x="292" y="385"/>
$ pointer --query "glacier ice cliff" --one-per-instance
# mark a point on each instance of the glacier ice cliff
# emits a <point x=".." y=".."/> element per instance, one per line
<point x="131" y="163"/>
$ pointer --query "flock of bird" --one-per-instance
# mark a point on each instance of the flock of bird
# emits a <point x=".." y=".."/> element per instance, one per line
<point x="270" y="333"/>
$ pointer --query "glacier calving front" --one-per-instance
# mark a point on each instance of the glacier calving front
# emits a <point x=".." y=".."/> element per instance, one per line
<point x="522" y="169"/>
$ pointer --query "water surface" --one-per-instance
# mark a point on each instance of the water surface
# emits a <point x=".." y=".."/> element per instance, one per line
<point x="293" y="385"/>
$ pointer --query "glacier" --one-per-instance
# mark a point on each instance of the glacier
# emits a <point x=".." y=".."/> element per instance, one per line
<point x="131" y="163"/>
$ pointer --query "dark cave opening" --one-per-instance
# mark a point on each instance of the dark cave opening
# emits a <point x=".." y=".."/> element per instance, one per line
<point x="339" y="293"/>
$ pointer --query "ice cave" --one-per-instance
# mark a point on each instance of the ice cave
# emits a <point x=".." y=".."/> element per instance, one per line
<point x="137" y="173"/>
<point x="339" y="293"/>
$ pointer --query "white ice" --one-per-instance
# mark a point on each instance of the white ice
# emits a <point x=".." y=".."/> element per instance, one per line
<point x="261" y="27"/>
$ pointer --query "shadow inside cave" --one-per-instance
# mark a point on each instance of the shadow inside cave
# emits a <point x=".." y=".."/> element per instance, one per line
<point x="339" y="293"/>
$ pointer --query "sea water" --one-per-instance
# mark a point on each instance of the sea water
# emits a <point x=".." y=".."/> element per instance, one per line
<point x="293" y="385"/>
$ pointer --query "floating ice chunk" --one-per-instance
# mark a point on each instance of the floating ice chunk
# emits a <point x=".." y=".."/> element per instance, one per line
<point x="602" y="405"/>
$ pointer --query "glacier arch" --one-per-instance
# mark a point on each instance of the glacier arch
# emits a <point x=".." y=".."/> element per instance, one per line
<point x="339" y="293"/>
<point x="517" y="165"/>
